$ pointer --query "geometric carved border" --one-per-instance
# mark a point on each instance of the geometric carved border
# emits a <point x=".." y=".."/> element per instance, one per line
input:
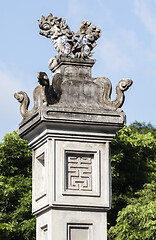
<point x="95" y="194"/>
<point x="79" y="171"/>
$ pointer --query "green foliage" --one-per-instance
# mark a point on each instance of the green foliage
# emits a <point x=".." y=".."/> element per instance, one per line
<point x="16" y="220"/>
<point x="143" y="128"/>
<point x="133" y="165"/>
<point x="138" y="219"/>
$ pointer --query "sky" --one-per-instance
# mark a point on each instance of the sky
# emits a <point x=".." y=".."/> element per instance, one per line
<point x="126" y="49"/>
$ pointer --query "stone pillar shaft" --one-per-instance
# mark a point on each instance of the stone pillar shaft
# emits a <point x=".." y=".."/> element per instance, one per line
<point x="70" y="137"/>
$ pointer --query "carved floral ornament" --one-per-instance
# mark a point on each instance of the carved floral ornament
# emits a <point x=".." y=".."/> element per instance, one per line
<point x="69" y="44"/>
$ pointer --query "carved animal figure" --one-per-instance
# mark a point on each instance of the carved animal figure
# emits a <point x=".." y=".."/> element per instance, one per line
<point x="85" y="40"/>
<point x="59" y="32"/>
<point x="65" y="41"/>
<point x="43" y="94"/>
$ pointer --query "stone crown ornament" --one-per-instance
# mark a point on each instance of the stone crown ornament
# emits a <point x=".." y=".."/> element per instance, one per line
<point x="65" y="41"/>
<point x="71" y="87"/>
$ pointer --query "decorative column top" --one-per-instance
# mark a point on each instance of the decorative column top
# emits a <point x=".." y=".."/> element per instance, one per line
<point x="71" y="87"/>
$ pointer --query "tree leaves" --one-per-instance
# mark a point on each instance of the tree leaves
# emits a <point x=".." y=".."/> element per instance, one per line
<point x="16" y="220"/>
<point x="133" y="169"/>
<point x="138" y="219"/>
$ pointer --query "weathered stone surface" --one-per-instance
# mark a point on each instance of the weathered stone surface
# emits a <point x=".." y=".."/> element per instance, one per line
<point x="72" y="87"/>
<point x="80" y="89"/>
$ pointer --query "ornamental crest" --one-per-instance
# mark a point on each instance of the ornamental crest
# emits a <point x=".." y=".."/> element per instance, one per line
<point x="71" y="85"/>
<point x="66" y="42"/>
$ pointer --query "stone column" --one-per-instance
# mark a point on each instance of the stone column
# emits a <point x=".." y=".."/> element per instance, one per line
<point x="70" y="139"/>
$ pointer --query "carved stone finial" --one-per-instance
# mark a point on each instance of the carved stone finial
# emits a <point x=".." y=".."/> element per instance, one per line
<point x="66" y="42"/>
<point x="71" y="86"/>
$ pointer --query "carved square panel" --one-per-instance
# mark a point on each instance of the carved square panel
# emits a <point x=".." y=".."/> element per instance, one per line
<point x="79" y="231"/>
<point x="79" y="171"/>
<point x="81" y="174"/>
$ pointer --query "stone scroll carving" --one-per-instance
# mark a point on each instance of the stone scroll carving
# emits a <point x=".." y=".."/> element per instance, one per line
<point x="43" y="94"/>
<point x="79" y="173"/>
<point x="121" y="87"/>
<point x="66" y="42"/>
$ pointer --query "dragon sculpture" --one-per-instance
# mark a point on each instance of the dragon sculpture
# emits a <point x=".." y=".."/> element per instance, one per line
<point x="66" y="42"/>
